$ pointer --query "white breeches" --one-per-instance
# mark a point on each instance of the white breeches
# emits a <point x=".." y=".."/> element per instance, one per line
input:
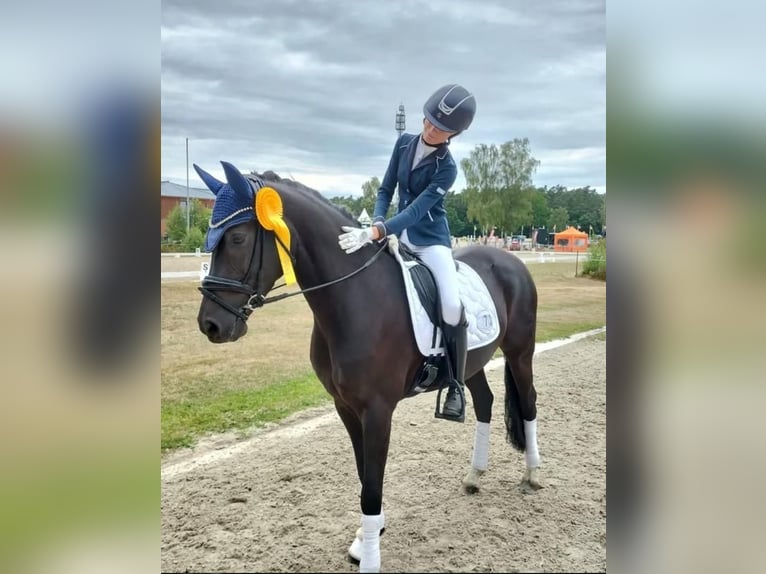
<point x="439" y="260"/>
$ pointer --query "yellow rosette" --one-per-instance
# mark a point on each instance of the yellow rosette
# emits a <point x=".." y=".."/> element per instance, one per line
<point x="268" y="210"/>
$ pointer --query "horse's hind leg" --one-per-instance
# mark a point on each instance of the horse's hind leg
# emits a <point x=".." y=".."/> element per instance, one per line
<point x="521" y="412"/>
<point x="482" y="405"/>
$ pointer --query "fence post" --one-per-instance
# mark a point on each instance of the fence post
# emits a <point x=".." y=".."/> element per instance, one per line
<point x="577" y="260"/>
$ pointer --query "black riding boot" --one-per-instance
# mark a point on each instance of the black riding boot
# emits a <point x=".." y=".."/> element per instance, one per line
<point x="456" y="341"/>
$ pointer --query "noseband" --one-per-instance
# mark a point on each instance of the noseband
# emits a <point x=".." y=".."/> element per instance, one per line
<point x="256" y="296"/>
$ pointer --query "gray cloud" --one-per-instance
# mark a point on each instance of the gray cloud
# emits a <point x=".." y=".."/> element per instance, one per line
<point x="311" y="88"/>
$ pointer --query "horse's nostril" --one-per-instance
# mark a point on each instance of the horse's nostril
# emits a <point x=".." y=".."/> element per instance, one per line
<point x="210" y="328"/>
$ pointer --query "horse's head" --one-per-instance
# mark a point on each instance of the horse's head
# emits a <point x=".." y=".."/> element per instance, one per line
<point x="244" y="264"/>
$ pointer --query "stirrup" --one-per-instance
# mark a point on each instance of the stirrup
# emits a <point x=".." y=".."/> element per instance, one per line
<point x="460" y="393"/>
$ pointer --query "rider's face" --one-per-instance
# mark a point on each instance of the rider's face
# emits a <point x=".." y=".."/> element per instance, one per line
<point x="433" y="135"/>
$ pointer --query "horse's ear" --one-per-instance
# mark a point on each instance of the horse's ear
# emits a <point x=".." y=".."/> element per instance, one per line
<point x="236" y="180"/>
<point x="212" y="183"/>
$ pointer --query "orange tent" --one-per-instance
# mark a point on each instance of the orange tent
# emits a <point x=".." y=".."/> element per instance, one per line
<point x="571" y="240"/>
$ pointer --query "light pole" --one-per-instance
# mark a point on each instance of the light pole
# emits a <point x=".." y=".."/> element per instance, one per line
<point x="188" y="207"/>
<point x="400" y="120"/>
<point x="399" y="126"/>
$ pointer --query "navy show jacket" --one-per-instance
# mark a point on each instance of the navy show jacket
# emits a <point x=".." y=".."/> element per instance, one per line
<point x="421" y="193"/>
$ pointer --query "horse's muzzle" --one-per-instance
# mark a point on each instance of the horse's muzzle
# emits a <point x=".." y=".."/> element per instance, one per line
<point x="218" y="333"/>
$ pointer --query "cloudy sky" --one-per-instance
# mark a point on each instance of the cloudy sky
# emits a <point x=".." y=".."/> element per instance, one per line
<point x="310" y="89"/>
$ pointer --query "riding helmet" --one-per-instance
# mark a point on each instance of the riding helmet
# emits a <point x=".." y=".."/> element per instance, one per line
<point x="450" y="108"/>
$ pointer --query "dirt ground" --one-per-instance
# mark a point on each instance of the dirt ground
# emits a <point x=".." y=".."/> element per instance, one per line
<point x="287" y="498"/>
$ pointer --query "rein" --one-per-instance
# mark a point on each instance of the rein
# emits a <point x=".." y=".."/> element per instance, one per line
<point x="257" y="299"/>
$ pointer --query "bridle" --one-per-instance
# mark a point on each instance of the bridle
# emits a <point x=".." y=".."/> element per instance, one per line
<point x="256" y="296"/>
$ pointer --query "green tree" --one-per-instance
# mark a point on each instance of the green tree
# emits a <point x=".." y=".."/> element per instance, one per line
<point x="355" y="204"/>
<point x="541" y="213"/>
<point x="457" y="214"/>
<point x="200" y="215"/>
<point x="175" y="224"/>
<point x="350" y="203"/>
<point x="558" y="219"/>
<point x="369" y="195"/>
<point x="602" y="214"/>
<point x="584" y="205"/>
<point x="194" y="239"/>
<point x="499" y="184"/>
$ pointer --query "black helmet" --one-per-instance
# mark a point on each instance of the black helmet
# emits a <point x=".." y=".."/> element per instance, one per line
<point x="450" y="108"/>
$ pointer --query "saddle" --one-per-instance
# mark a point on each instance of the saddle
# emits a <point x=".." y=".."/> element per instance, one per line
<point x="425" y="313"/>
<point x="434" y="373"/>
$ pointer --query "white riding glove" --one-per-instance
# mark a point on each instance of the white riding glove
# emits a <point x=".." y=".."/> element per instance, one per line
<point x="354" y="238"/>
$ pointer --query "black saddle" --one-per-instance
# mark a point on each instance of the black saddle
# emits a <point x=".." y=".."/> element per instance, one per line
<point x="425" y="284"/>
<point x="435" y="371"/>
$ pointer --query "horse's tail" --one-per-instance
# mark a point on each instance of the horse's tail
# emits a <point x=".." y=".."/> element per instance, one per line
<point x="514" y="423"/>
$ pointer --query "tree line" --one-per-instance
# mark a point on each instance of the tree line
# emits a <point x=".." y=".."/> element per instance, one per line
<point x="175" y="227"/>
<point x="499" y="194"/>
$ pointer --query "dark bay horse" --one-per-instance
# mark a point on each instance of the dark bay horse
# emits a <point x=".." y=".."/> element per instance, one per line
<point x="362" y="346"/>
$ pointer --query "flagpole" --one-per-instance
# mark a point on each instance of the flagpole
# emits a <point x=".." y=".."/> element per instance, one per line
<point x="188" y="207"/>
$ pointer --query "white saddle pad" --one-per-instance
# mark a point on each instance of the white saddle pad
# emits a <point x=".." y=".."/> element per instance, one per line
<point x="480" y="310"/>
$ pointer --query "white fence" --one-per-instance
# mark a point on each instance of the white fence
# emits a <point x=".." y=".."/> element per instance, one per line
<point x="528" y="257"/>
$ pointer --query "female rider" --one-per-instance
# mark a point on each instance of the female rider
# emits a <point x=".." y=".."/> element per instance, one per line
<point x="423" y="168"/>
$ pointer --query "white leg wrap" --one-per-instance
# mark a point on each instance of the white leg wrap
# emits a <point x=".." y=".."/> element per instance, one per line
<point x="355" y="550"/>
<point x="371" y="525"/>
<point x="531" y="454"/>
<point x="480" y="446"/>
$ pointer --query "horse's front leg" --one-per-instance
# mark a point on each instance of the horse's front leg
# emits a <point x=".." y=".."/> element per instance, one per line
<point x="354" y="427"/>
<point x="376" y="431"/>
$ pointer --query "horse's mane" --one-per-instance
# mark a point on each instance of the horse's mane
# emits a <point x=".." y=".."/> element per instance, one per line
<point x="272" y="177"/>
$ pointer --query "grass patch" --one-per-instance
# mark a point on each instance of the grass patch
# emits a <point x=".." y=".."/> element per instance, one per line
<point x="562" y="331"/>
<point x="184" y="420"/>
<point x="595" y="266"/>
<point x="598" y="337"/>
<point x="566" y="305"/>
<point x="551" y="331"/>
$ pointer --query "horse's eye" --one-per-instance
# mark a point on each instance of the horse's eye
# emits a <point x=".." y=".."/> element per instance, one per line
<point x="238" y="238"/>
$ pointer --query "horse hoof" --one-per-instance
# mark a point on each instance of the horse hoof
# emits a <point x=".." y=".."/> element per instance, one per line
<point x="471" y="482"/>
<point x="530" y="483"/>
<point x="471" y="488"/>
<point x="355" y="550"/>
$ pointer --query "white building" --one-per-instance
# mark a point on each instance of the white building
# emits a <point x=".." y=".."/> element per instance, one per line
<point x="364" y="218"/>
